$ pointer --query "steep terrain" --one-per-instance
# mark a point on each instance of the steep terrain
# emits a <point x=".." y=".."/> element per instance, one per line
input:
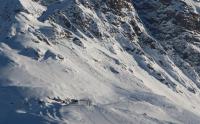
<point x="99" y="61"/>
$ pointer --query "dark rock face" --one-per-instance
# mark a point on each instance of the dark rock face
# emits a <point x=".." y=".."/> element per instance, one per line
<point x="175" y="25"/>
<point x="117" y="5"/>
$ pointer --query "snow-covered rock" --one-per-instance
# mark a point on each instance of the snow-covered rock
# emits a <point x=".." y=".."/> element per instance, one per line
<point x="99" y="61"/>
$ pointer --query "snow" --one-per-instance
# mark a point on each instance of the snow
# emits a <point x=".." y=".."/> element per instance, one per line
<point x="46" y="77"/>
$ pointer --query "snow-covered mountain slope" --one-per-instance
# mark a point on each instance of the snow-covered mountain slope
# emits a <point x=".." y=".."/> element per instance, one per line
<point x="99" y="62"/>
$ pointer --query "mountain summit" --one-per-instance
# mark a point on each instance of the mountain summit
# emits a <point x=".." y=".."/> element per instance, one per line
<point x="100" y="61"/>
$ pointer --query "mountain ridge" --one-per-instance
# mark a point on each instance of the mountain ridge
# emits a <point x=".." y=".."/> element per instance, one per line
<point x="105" y="61"/>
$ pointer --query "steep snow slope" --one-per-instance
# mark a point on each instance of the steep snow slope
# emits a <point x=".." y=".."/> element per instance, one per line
<point x="105" y="61"/>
